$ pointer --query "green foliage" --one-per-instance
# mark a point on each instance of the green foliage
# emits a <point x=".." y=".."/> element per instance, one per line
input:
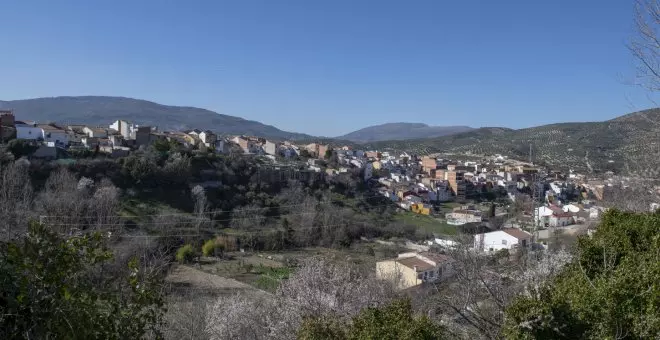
<point x="270" y="278"/>
<point x="54" y="288"/>
<point x="20" y="148"/>
<point x="185" y="254"/>
<point x="328" y="153"/>
<point x="162" y="145"/>
<point x="393" y="322"/>
<point x="212" y="247"/>
<point x="610" y="290"/>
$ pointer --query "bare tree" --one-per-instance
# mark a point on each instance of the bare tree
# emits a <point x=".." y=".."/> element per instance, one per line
<point x="186" y="317"/>
<point x="68" y="204"/>
<point x="473" y="305"/>
<point x="201" y="207"/>
<point x="62" y="204"/>
<point x="319" y="288"/>
<point x="646" y="44"/>
<point x="250" y="217"/>
<point x="302" y="220"/>
<point x="106" y="205"/>
<point x="15" y="199"/>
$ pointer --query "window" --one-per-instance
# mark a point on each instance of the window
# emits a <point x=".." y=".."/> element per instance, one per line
<point x="419" y="276"/>
<point x="504" y="242"/>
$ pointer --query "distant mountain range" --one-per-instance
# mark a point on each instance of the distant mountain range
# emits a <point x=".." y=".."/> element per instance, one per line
<point x="401" y="131"/>
<point x="103" y="111"/>
<point x="629" y="144"/>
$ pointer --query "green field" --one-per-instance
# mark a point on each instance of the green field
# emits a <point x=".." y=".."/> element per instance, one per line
<point x="427" y="223"/>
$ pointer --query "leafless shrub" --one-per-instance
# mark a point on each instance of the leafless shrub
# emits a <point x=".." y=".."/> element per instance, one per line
<point x="250" y="217"/>
<point x="186" y="317"/>
<point x="318" y="288"/>
<point x="633" y="196"/>
<point x="201" y="208"/>
<point x="543" y="267"/>
<point x="15" y="199"/>
<point x="303" y="221"/>
<point x="473" y="305"/>
<point x="67" y="204"/>
<point x="321" y="287"/>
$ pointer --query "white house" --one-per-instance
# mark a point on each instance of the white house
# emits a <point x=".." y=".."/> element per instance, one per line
<point x="561" y="219"/>
<point x="502" y="239"/>
<point x="412" y="269"/>
<point x="126" y="129"/>
<point x="28" y="131"/>
<point x="54" y="134"/>
<point x="195" y="133"/>
<point x="95" y="132"/>
<point x="207" y="137"/>
<point x="542" y="215"/>
<point x="270" y="148"/>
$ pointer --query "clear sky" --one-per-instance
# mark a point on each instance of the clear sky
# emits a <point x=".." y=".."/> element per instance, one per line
<point x="328" y="67"/>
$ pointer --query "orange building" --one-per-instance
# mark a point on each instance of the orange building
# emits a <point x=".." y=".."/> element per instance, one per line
<point x="429" y="164"/>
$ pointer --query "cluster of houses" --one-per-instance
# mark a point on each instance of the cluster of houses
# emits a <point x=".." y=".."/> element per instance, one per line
<point x="413" y="269"/>
<point x="122" y="136"/>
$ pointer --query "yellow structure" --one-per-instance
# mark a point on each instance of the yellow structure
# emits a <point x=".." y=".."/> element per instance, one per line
<point x="411" y="269"/>
<point x="421" y="208"/>
<point x="376" y="165"/>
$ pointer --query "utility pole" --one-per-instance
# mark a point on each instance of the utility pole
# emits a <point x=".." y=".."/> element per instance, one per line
<point x="537" y="194"/>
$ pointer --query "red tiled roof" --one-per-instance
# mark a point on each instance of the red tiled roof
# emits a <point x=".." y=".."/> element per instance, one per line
<point x="437" y="258"/>
<point x="412" y="262"/>
<point x="517" y="233"/>
<point x="563" y="214"/>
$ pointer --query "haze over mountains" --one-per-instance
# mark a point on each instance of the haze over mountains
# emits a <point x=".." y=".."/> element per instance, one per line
<point x="401" y="131"/>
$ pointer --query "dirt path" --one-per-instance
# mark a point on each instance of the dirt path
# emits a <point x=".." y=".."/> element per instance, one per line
<point x="185" y="279"/>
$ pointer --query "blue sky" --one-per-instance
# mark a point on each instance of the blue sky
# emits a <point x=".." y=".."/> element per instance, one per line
<point x="328" y="67"/>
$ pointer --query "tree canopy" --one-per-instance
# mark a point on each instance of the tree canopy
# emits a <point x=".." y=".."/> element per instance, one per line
<point x="53" y="287"/>
<point x="395" y="321"/>
<point x="611" y="289"/>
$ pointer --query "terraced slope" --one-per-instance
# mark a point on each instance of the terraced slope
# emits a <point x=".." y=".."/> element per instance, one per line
<point x="628" y="144"/>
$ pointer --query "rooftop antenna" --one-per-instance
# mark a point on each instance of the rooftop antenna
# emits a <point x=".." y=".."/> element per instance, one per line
<point x="530" y="154"/>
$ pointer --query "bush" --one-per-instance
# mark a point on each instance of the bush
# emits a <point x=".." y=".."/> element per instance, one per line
<point x="185" y="254"/>
<point x="211" y="247"/>
<point x="20" y="148"/>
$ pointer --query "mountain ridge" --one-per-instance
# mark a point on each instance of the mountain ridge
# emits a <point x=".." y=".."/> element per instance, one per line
<point x="400" y="131"/>
<point x="629" y="143"/>
<point x="103" y="110"/>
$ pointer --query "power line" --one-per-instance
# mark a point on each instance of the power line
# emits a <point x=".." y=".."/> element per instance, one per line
<point x="210" y="212"/>
<point x="241" y="233"/>
<point x="194" y="219"/>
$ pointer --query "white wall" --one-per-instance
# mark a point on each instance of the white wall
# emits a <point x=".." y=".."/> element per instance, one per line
<point x="560" y="221"/>
<point x="497" y="240"/>
<point x="56" y="136"/>
<point x="28" y="132"/>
